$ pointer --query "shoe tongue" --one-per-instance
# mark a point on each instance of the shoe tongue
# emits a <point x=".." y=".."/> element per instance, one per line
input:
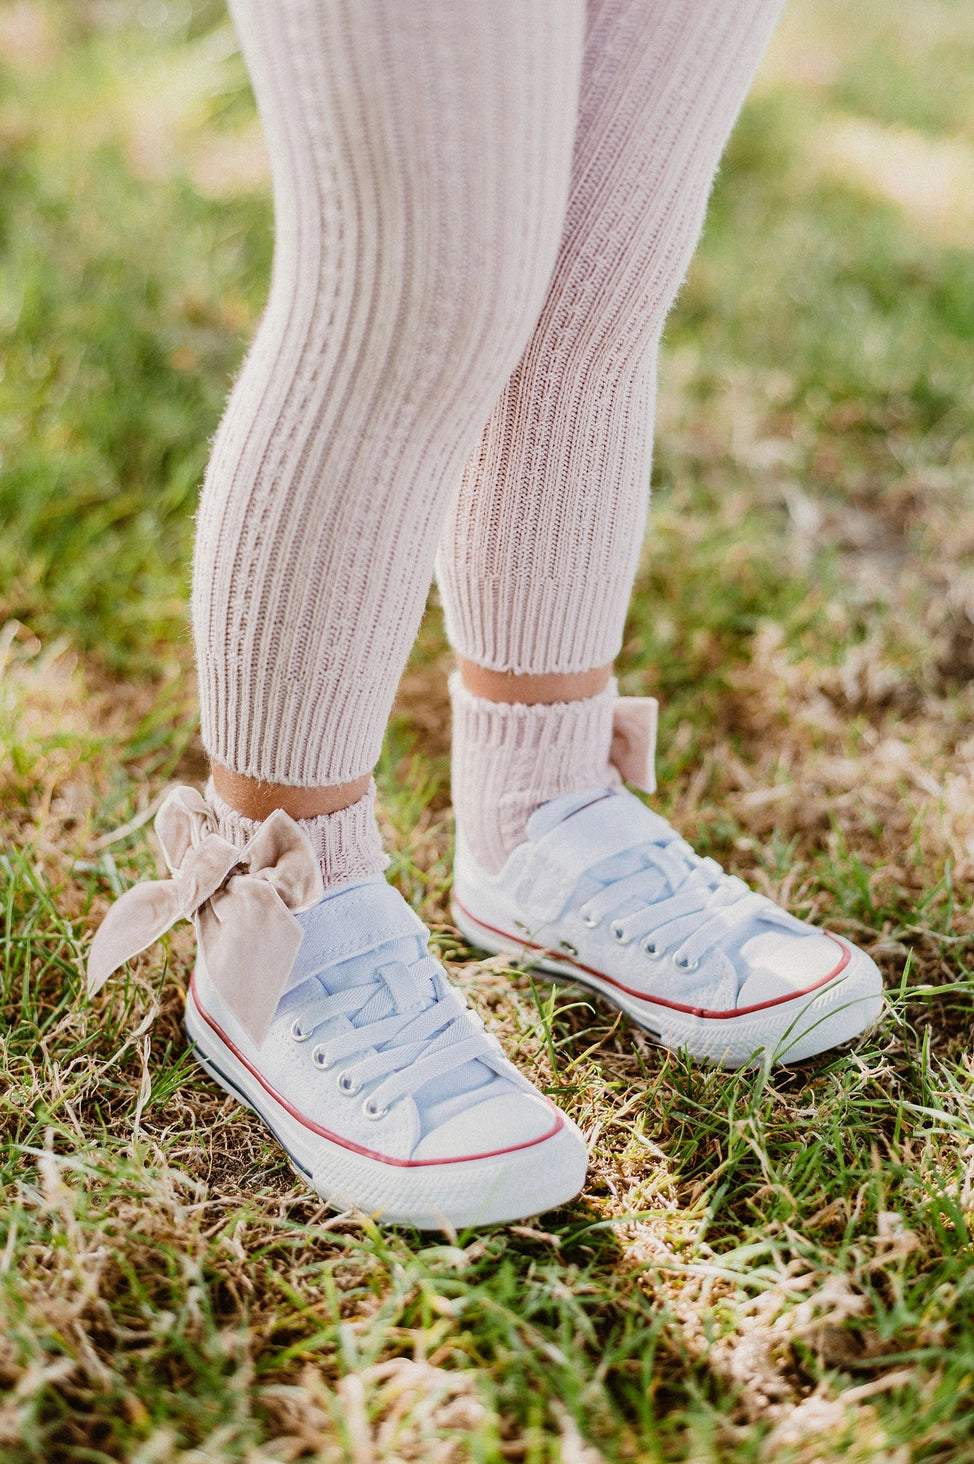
<point x="550" y="814"/>
<point x="404" y="951"/>
<point x="671" y="869"/>
<point x="353" y="923"/>
<point x="620" y="866"/>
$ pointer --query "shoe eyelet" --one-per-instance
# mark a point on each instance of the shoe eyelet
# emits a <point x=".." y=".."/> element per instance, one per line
<point x="321" y="1059"/>
<point x="296" y="1033"/>
<point x="618" y="932"/>
<point x="651" y="949"/>
<point x="566" y="945"/>
<point x="587" y="919"/>
<point x="374" y="1113"/>
<point x="347" y="1087"/>
<point x="682" y="964"/>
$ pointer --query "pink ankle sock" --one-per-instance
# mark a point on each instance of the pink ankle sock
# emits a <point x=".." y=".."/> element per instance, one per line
<point x="508" y="759"/>
<point x="347" y="844"/>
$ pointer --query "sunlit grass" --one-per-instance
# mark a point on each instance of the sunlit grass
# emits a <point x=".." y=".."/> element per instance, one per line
<point x="762" y="1266"/>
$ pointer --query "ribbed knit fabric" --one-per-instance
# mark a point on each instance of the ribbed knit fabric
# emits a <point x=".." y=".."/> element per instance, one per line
<point x="463" y="190"/>
<point x="347" y="844"/>
<point x="540" y="548"/>
<point x="421" y="155"/>
<point x="508" y="759"/>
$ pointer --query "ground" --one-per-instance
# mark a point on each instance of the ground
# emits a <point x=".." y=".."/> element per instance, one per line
<point x="762" y="1266"/>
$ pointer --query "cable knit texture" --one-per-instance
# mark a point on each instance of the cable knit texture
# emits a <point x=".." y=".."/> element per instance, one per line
<point x="541" y="545"/>
<point x="347" y="844"/>
<point x="482" y="215"/>
<point x="421" y="156"/>
<point x="508" y="759"/>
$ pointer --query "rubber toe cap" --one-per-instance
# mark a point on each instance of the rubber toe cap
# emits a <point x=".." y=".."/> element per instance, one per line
<point x="781" y="965"/>
<point x="508" y="1121"/>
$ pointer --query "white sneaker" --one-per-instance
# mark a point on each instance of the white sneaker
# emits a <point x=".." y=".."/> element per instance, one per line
<point x="605" y="892"/>
<point x="331" y="1020"/>
<point x="382" y="1085"/>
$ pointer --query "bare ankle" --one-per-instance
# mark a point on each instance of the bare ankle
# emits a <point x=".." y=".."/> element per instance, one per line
<point x="257" y="799"/>
<point x="532" y="690"/>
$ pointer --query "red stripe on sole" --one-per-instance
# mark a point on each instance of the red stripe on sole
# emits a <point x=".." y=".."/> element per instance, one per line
<point x="323" y="1133"/>
<point x="519" y="942"/>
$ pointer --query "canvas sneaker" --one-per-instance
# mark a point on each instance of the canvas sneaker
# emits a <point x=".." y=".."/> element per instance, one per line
<point x="605" y="892"/>
<point x="381" y="1084"/>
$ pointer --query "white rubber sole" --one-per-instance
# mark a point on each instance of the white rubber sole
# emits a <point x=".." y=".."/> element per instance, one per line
<point x="430" y="1195"/>
<point x="785" y="1032"/>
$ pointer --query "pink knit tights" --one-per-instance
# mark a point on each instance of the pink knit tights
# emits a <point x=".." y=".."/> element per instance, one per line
<point x="483" y="213"/>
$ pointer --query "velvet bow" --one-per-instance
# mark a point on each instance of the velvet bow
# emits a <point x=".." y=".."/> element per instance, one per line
<point x="240" y="901"/>
<point x="633" y="751"/>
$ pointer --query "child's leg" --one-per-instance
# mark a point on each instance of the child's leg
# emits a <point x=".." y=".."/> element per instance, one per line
<point x="421" y="157"/>
<point x="541" y="546"/>
<point x="536" y="568"/>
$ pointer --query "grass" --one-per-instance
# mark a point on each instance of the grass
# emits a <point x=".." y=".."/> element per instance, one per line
<point x="762" y="1266"/>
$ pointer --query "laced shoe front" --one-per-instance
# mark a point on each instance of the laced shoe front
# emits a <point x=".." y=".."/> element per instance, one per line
<point x="606" y="892"/>
<point x="330" y="1018"/>
<point x="382" y="1085"/>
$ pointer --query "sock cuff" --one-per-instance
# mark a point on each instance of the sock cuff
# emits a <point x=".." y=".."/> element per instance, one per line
<point x="347" y="843"/>
<point x="509" y="758"/>
<point x="577" y="732"/>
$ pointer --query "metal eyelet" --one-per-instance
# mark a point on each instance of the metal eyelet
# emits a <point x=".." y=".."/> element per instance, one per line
<point x="618" y="932"/>
<point x="296" y="1033"/>
<point x="321" y="1059"/>
<point x="682" y="964"/>
<point x="566" y="945"/>
<point x="374" y="1113"/>
<point x="587" y="919"/>
<point x="651" y="949"/>
<point x="347" y="1087"/>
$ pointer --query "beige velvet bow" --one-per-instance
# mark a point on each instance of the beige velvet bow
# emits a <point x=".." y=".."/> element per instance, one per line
<point x="633" y="750"/>
<point x="240" y="900"/>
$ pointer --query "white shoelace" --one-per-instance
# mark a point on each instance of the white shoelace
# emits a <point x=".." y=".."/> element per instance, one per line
<point x="670" y="893"/>
<point x="404" y="1023"/>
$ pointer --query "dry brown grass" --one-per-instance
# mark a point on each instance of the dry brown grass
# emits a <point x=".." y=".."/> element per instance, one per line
<point x="761" y="1268"/>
